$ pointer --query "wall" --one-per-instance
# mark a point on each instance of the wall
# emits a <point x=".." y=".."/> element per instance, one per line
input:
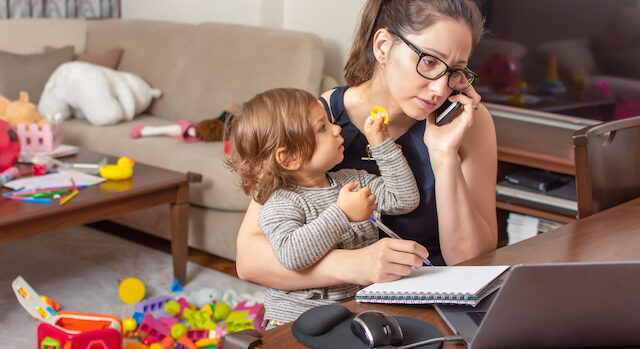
<point x="333" y="20"/>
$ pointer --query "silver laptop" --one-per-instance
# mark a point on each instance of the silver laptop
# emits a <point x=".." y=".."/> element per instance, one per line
<point x="555" y="305"/>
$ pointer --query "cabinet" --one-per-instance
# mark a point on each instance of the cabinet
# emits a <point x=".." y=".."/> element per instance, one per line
<point x="537" y="140"/>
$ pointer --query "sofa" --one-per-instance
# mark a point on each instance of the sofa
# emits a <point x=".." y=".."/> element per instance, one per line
<point x="199" y="68"/>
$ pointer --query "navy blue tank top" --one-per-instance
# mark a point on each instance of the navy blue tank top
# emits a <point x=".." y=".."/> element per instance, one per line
<point x="421" y="225"/>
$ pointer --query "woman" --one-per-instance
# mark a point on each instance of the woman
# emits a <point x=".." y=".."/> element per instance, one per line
<point x="409" y="56"/>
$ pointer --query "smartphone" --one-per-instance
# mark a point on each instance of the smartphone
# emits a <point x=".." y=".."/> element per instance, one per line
<point x="447" y="111"/>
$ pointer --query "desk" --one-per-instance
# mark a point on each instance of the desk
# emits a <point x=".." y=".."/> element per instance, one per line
<point x="610" y="235"/>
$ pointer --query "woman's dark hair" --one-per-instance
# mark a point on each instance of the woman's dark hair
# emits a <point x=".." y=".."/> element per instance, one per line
<point x="403" y="16"/>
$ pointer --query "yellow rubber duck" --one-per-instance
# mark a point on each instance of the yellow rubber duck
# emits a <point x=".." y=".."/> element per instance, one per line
<point x="123" y="170"/>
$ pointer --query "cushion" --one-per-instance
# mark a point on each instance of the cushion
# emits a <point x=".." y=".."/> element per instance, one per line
<point x="29" y="72"/>
<point x="109" y="58"/>
<point x="574" y="57"/>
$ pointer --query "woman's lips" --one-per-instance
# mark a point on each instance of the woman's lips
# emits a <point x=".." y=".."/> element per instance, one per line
<point x="426" y="104"/>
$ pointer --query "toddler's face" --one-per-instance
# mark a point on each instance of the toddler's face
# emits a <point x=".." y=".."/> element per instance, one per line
<point x="329" y="149"/>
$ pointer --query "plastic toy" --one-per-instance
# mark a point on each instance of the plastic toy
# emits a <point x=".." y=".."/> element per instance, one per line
<point x="208" y="130"/>
<point x="9" y="146"/>
<point x="31" y="301"/>
<point x="499" y="72"/>
<point x="221" y="311"/>
<point x="123" y="170"/>
<point x="551" y="84"/>
<point x="50" y="302"/>
<point x="153" y="328"/>
<point x="178" y="330"/>
<point x="129" y="325"/>
<point x="76" y="330"/>
<point x="381" y="112"/>
<point x="245" y="316"/>
<point x="152" y="304"/>
<point x="186" y="342"/>
<point x="9" y="174"/>
<point x="131" y="290"/>
<point x="197" y="334"/>
<point x="176" y="287"/>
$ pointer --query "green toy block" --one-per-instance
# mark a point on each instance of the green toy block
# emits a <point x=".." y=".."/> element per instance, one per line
<point x="237" y="321"/>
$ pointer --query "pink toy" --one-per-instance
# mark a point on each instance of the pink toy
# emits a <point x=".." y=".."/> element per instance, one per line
<point x="168" y="321"/>
<point x="75" y="330"/>
<point x="153" y="328"/>
<point x="180" y="129"/>
<point x="221" y="331"/>
<point x="255" y="314"/>
<point x="195" y="335"/>
<point x="35" y="139"/>
<point x="9" y="145"/>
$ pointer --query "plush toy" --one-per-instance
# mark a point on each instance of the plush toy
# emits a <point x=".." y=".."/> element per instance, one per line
<point x="209" y="130"/>
<point x="102" y="95"/>
<point x="20" y="111"/>
<point x="9" y="146"/>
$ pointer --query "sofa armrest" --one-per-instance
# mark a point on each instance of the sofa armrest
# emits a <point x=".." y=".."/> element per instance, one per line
<point x="327" y="83"/>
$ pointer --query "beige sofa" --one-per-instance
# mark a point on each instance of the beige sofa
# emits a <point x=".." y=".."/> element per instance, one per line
<point x="199" y="68"/>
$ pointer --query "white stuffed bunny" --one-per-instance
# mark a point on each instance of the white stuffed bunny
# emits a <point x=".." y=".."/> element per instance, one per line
<point x="102" y="95"/>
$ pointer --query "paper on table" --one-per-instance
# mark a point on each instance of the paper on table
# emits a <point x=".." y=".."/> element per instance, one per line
<point x="58" y="179"/>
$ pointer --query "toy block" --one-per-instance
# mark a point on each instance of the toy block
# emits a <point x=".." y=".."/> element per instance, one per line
<point x="138" y="317"/>
<point x="152" y="304"/>
<point x="168" y="342"/>
<point x="220" y="331"/>
<point x="153" y="328"/>
<point x="134" y="345"/>
<point x="178" y="330"/>
<point x="36" y="139"/>
<point x="173" y="308"/>
<point x="168" y="321"/>
<point x="176" y="287"/>
<point x="255" y="314"/>
<point x="148" y="340"/>
<point x="187" y="343"/>
<point x="195" y="335"/>
<point x="198" y="320"/>
<point x="206" y="342"/>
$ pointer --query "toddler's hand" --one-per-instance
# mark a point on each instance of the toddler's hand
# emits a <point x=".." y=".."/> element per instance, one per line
<point x="356" y="205"/>
<point x="376" y="130"/>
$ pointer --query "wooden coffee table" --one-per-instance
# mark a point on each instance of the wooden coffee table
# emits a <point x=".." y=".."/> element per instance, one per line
<point x="150" y="186"/>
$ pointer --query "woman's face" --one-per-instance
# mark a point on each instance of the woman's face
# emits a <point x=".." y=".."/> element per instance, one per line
<point x="449" y="40"/>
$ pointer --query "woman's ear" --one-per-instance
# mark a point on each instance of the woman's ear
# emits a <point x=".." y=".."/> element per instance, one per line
<point x="288" y="161"/>
<point x="382" y="42"/>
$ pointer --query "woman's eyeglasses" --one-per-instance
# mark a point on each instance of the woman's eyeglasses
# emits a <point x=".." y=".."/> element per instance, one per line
<point x="432" y="68"/>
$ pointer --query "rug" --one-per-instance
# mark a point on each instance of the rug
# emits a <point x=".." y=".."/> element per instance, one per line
<point x="81" y="269"/>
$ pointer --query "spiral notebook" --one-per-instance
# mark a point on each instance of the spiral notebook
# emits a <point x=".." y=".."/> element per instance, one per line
<point x="437" y="285"/>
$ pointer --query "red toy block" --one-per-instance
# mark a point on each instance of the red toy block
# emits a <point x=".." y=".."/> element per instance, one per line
<point x="153" y="328"/>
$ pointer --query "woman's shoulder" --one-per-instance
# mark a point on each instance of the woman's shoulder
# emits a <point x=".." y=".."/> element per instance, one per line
<point x="481" y="134"/>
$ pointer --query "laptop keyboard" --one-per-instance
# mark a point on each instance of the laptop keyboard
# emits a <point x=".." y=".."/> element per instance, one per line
<point x="476" y="316"/>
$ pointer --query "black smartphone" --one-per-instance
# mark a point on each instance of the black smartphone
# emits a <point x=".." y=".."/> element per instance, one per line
<point x="447" y="111"/>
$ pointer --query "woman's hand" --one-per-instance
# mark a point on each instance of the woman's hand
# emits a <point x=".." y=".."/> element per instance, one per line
<point x="446" y="139"/>
<point x="386" y="260"/>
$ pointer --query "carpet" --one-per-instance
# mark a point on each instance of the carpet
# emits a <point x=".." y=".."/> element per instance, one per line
<point x="81" y="269"/>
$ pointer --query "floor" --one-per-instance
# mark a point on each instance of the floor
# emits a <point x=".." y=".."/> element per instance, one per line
<point x="196" y="256"/>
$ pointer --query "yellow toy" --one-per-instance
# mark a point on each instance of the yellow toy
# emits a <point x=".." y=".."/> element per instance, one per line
<point x="381" y="112"/>
<point x="123" y="170"/>
<point x="131" y="290"/>
<point x="20" y="111"/>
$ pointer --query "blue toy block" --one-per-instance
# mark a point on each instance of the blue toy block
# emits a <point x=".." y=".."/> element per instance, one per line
<point x="138" y="316"/>
<point x="176" y="287"/>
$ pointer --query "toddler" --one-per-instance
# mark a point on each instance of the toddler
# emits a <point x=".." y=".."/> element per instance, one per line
<point x="283" y="146"/>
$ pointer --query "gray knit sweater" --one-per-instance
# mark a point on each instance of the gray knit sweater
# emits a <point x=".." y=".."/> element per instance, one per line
<point x="303" y="224"/>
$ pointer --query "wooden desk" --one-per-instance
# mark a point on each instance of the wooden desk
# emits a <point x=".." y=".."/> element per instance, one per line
<point x="611" y="235"/>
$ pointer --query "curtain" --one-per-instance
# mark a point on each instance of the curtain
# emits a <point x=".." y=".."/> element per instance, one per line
<point x="59" y="8"/>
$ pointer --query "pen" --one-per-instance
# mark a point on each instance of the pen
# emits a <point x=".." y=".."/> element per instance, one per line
<point x="69" y="197"/>
<point x="390" y="232"/>
<point x="38" y="190"/>
<point x="28" y="199"/>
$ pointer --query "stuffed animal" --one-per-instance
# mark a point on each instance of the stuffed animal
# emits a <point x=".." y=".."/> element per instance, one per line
<point x="102" y="95"/>
<point x="208" y="130"/>
<point x="20" y="111"/>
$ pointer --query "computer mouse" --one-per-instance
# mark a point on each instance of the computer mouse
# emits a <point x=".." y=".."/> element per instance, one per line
<point x="376" y="329"/>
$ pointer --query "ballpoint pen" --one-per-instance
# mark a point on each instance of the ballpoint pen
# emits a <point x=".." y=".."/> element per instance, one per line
<point x="392" y="234"/>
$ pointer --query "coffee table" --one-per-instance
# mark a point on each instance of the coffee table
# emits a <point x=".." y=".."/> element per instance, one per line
<point x="150" y="186"/>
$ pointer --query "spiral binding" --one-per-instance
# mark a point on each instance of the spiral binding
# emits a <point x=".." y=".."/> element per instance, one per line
<point x="415" y="298"/>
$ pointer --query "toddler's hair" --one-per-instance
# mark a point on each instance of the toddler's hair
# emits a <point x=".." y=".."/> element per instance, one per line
<point x="274" y="119"/>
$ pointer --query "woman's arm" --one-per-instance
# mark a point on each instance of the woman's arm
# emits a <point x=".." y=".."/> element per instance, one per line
<point x="386" y="260"/>
<point x="465" y="186"/>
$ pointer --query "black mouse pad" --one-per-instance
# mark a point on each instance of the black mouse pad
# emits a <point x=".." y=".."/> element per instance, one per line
<point x="329" y="326"/>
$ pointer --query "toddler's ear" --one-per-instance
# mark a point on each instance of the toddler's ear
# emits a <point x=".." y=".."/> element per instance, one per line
<point x="288" y="161"/>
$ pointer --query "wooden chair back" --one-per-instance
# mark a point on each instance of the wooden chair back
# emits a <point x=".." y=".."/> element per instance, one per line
<point x="607" y="160"/>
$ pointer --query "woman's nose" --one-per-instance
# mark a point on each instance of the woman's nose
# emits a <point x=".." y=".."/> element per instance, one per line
<point x="440" y="86"/>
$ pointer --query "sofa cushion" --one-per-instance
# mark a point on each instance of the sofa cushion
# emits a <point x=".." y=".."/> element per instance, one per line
<point x="29" y="72"/>
<point x="152" y="50"/>
<point x="109" y="58"/>
<point x="218" y="190"/>
<point x="225" y="63"/>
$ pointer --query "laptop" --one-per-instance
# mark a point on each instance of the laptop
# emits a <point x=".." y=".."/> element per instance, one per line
<point x="555" y="305"/>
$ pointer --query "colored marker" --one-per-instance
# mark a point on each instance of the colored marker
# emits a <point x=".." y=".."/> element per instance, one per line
<point x="45" y="194"/>
<point x="28" y="199"/>
<point x="69" y="197"/>
<point x="38" y="190"/>
<point x="392" y="234"/>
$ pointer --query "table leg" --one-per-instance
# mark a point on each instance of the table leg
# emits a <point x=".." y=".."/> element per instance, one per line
<point x="180" y="233"/>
